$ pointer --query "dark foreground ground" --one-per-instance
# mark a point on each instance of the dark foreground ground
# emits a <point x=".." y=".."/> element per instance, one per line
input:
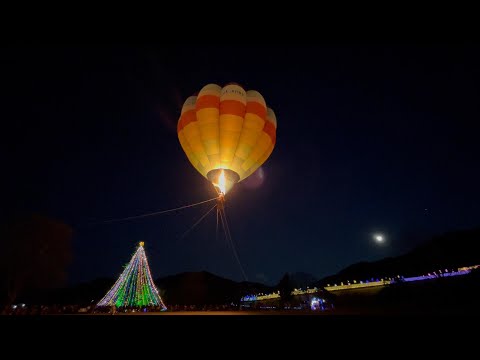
<point x="379" y="312"/>
<point x="218" y="313"/>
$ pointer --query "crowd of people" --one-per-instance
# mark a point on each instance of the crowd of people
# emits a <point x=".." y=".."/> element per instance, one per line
<point x="23" y="309"/>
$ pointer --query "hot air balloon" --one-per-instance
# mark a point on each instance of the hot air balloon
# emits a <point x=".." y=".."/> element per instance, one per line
<point x="227" y="133"/>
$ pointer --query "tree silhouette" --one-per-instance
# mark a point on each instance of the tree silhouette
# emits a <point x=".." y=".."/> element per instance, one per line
<point x="285" y="287"/>
<point x="35" y="252"/>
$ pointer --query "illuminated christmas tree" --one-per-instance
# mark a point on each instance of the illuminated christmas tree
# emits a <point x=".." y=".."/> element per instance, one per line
<point x="135" y="287"/>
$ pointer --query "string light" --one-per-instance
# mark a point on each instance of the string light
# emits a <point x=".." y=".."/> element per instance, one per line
<point x="135" y="286"/>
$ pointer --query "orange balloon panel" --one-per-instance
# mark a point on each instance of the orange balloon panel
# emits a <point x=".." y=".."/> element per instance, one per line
<point x="227" y="128"/>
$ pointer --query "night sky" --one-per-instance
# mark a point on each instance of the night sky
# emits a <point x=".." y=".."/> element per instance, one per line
<point x="370" y="139"/>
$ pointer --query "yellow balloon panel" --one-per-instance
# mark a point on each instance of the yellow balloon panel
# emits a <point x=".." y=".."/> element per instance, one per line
<point x="192" y="134"/>
<point x="188" y="150"/>
<point x="260" y="161"/>
<point x="260" y="148"/>
<point x="207" y="111"/>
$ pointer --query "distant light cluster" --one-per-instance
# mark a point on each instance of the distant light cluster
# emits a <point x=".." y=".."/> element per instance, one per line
<point x="382" y="282"/>
<point x="275" y="295"/>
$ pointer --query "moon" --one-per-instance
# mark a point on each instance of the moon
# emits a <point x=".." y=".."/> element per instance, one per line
<point x="379" y="238"/>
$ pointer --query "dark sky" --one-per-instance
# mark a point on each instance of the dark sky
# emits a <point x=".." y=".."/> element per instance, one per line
<point x="370" y="139"/>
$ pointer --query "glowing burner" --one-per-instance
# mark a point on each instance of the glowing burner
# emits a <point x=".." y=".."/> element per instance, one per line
<point x="223" y="180"/>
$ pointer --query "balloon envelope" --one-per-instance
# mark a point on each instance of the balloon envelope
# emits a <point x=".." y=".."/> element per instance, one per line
<point x="227" y="132"/>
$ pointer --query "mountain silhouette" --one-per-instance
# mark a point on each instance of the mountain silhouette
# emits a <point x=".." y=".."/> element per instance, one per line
<point x="447" y="251"/>
<point x="199" y="288"/>
<point x="302" y="280"/>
